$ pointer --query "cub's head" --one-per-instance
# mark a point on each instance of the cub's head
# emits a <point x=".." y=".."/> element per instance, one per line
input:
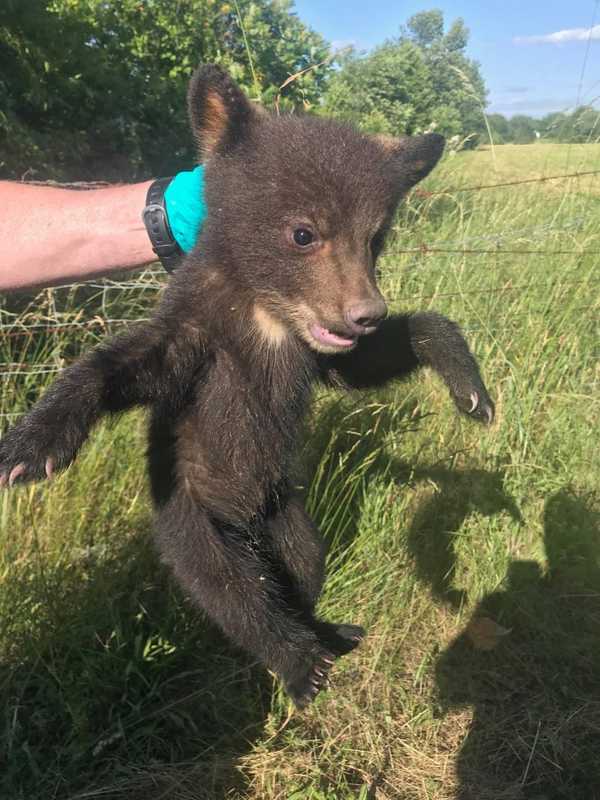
<point x="298" y="210"/>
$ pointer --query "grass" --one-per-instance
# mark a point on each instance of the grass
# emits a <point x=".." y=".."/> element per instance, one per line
<point x="526" y="161"/>
<point x="113" y="687"/>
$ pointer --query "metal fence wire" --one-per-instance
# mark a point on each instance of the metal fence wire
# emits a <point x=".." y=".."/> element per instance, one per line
<point x="32" y="325"/>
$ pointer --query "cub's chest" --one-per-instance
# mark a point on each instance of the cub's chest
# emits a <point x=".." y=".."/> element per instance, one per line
<point x="251" y="405"/>
<point x="238" y="440"/>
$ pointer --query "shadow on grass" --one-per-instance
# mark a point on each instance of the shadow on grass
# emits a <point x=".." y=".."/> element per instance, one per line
<point x="437" y="521"/>
<point x="117" y="688"/>
<point x="458" y="492"/>
<point x="535" y="733"/>
<point x="536" y="696"/>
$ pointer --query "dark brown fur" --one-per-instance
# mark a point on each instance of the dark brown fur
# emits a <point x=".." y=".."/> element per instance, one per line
<point x="229" y="359"/>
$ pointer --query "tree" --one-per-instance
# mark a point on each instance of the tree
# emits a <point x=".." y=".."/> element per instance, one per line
<point x="113" y="73"/>
<point x="419" y="80"/>
<point x="456" y="80"/>
<point x="457" y="38"/>
<point x="582" y="125"/>
<point x="388" y="92"/>
<point x="500" y="127"/>
<point x="426" y="27"/>
<point x="553" y="125"/>
<point x="523" y="129"/>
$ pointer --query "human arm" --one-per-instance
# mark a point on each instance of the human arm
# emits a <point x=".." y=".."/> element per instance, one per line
<point x="52" y="235"/>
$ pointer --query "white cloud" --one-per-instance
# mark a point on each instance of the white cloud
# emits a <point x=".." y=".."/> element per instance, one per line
<point x="568" y="35"/>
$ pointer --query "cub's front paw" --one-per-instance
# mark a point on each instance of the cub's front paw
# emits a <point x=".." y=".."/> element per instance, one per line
<point x="471" y="398"/>
<point x="31" y="452"/>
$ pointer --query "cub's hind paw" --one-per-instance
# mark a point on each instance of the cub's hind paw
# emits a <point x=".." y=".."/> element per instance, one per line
<point x="311" y="676"/>
<point x="341" y="639"/>
<point x="309" y="679"/>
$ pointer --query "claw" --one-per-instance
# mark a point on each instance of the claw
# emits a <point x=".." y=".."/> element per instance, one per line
<point x="2" y="480"/>
<point x="16" y="472"/>
<point x="307" y="698"/>
<point x="49" y="468"/>
<point x="474" y="401"/>
<point x="489" y="414"/>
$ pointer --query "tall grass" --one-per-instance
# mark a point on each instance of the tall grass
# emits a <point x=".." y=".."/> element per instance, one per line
<point x="113" y="686"/>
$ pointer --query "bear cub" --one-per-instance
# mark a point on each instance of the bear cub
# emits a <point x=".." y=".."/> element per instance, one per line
<point x="279" y="293"/>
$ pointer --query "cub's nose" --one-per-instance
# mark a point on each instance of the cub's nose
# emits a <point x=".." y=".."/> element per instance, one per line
<point x="365" y="316"/>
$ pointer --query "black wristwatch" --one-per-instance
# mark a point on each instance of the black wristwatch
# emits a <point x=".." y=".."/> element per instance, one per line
<point x="155" y="219"/>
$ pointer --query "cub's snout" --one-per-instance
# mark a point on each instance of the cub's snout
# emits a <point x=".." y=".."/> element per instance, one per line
<point x="334" y="332"/>
<point x="364" y="316"/>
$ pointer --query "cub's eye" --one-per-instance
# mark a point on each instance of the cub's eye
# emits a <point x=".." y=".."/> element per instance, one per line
<point x="303" y="237"/>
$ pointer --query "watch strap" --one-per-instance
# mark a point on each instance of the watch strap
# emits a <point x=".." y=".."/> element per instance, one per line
<point x="156" y="221"/>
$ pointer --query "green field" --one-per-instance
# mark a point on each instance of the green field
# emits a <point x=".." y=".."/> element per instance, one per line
<point x="472" y="556"/>
<point x="528" y="161"/>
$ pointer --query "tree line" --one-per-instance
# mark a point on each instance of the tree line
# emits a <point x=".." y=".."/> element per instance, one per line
<point x="96" y="88"/>
<point x="579" y="126"/>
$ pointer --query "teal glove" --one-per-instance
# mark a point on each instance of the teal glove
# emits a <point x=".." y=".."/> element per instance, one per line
<point x="186" y="208"/>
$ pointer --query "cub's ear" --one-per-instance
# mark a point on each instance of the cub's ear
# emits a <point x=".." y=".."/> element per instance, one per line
<point x="220" y="112"/>
<point x="414" y="156"/>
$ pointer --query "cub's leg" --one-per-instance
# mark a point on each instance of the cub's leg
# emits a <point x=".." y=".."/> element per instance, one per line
<point x="227" y="572"/>
<point x="141" y="366"/>
<point x="406" y="342"/>
<point x="297" y="543"/>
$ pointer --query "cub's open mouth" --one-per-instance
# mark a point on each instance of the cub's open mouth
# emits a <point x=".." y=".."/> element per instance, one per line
<point x="330" y="339"/>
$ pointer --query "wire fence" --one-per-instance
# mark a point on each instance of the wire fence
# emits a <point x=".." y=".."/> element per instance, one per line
<point x="28" y="325"/>
<point x="504" y="184"/>
<point x="426" y="249"/>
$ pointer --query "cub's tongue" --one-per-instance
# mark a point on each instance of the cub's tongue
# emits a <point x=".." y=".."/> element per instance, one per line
<point x="327" y="337"/>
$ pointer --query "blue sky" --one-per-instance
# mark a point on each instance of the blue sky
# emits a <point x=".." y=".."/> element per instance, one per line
<point x="531" y="52"/>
